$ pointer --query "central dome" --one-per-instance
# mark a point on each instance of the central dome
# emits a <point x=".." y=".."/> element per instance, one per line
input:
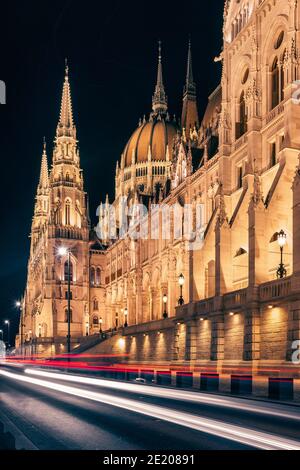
<point x="155" y="136"/>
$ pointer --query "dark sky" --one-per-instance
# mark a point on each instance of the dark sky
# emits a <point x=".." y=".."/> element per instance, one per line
<point x="112" y="52"/>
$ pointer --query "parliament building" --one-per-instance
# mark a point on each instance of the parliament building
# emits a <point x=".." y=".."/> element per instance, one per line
<point x="227" y="304"/>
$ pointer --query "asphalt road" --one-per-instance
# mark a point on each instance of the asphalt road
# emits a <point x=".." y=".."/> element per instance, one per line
<point x="60" y="412"/>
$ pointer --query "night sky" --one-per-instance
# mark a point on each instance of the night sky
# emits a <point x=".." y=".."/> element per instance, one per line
<point x="112" y="54"/>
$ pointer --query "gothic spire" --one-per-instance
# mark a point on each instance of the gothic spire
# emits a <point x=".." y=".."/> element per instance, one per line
<point x="66" y="126"/>
<point x="190" y="118"/>
<point x="190" y="87"/>
<point x="159" y="101"/>
<point x="44" y="174"/>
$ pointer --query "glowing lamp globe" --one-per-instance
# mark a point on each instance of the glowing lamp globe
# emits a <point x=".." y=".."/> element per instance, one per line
<point x="62" y="251"/>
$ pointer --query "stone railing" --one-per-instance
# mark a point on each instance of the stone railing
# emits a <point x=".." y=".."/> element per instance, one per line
<point x="274" y="113"/>
<point x="73" y="233"/>
<point x="275" y="289"/>
<point x="202" y="307"/>
<point x="240" y="142"/>
<point x="235" y="299"/>
<point x="155" y="325"/>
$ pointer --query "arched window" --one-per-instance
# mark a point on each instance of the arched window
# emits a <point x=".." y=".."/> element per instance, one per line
<point x="57" y="213"/>
<point x="68" y="177"/>
<point x="282" y="77"/>
<point x="95" y="305"/>
<point x="98" y="276"/>
<point x="66" y="316"/>
<point x="241" y="127"/>
<point x="68" y="213"/>
<point x="92" y="276"/>
<point x="239" y="177"/>
<point x="95" y="320"/>
<point x="275" y="74"/>
<point x="68" y="273"/>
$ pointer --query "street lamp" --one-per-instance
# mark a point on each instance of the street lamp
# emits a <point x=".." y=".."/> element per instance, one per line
<point x="63" y="251"/>
<point x="7" y="322"/>
<point x="100" y="322"/>
<point x="281" y="239"/>
<point x="19" y="307"/>
<point x="165" y="300"/>
<point x="125" y="317"/>
<point x="181" y="281"/>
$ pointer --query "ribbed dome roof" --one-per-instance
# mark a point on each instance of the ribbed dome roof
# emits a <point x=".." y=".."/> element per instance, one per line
<point x="156" y="134"/>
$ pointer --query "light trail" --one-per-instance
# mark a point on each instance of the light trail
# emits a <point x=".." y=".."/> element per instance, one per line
<point x="168" y="393"/>
<point x="249" y="437"/>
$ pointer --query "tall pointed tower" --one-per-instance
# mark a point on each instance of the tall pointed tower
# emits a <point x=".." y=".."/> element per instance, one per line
<point x="35" y="287"/>
<point x="60" y="219"/>
<point x="41" y="208"/>
<point x="68" y="199"/>
<point x="68" y="225"/>
<point x="189" y="118"/>
<point x="159" y="101"/>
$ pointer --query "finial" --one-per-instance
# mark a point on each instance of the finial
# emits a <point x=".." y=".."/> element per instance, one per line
<point x="159" y="101"/>
<point x="44" y="143"/>
<point x="66" y="68"/>
<point x="159" y="50"/>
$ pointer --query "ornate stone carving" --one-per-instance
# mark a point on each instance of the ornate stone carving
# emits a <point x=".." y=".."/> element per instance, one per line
<point x="253" y="92"/>
<point x="257" y="195"/>
<point x="222" y="216"/>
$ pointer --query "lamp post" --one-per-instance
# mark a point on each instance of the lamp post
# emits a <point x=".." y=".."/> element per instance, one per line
<point x="7" y="323"/>
<point x="100" y="322"/>
<point x="281" y="271"/>
<point x="181" y="284"/>
<point x="19" y="307"/>
<point x="165" y="301"/>
<point x="63" y="252"/>
<point x="125" y="317"/>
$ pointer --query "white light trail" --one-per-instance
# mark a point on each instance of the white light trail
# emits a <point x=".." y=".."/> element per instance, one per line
<point x="249" y="437"/>
<point x="182" y="395"/>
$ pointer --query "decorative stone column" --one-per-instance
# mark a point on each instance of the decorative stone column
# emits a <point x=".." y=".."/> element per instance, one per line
<point x="138" y="296"/>
<point x="257" y="245"/>
<point x="223" y="248"/>
<point x="172" y="285"/>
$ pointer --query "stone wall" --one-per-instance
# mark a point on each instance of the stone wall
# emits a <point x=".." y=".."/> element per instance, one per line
<point x="274" y="334"/>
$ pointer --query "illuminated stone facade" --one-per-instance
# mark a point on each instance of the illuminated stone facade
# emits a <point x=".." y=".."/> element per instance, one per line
<point x="245" y="158"/>
<point x="240" y="164"/>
